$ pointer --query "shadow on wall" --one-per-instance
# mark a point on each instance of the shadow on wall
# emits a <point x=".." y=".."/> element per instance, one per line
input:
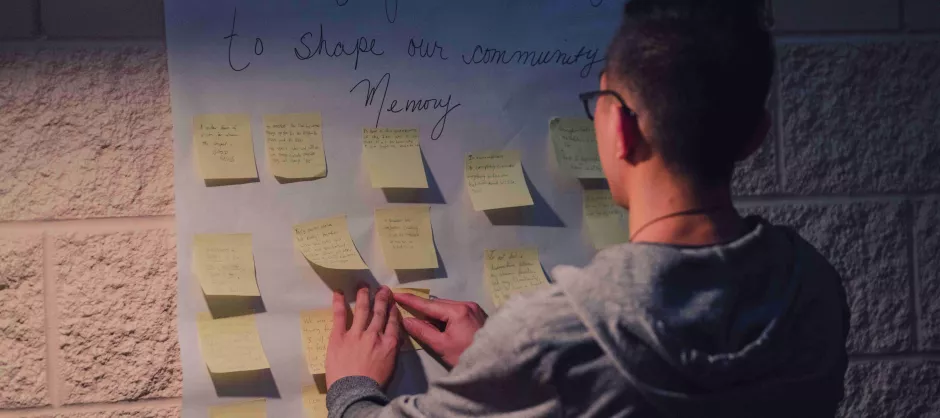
<point x="346" y="281"/>
<point x="431" y="195"/>
<point x="539" y="214"/>
<point x="251" y="384"/>
<point x="229" y="306"/>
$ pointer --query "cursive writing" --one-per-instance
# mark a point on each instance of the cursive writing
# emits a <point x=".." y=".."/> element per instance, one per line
<point x="497" y="56"/>
<point x="362" y="45"/>
<point x="425" y="50"/>
<point x="259" y="45"/>
<point x="409" y="106"/>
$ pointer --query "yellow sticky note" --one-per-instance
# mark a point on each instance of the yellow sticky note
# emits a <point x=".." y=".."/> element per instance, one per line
<point x="495" y="180"/>
<point x="326" y="243"/>
<point x="225" y="265"/>
<point x="604" y="220"/>
<point x="294" y="145"/>
<point x="406" y="237"/>
<point x="248" y="409"/>
<point x="407" y="313"/>
<point x="314" y="402"/>
<point x="423" y="293"/>
<point x="576" y="147"/>
<point x="223" y="147"/>
<point x="393" y="158"/>
<point x="315" y="328"/>
<point x="508" y="272"/>
<point x="230" y="344"/>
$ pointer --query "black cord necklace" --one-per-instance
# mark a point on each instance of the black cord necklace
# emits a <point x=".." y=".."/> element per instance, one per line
<point x="676" y="214"/>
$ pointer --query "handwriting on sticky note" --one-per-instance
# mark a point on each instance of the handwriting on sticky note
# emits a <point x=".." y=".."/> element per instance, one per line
<point x="314" y="402"/>
<point x="315" y="328"/>
<point x="408" y="313"/>
<point x="576" y="147"/>
<point x="294" y="145"/>
<point x="230" y="344"/>
<point x="605" y="221"/>
<point x="393" y="158"/>
<point x="223" y="147"/>
<point x="495" y="180"/>
<point x="225" y="265"/>
<point x="249" y="409"/>
<point x="406" y="237"/>
<point x="326" y="243"/>
<point x="509" y="272"/>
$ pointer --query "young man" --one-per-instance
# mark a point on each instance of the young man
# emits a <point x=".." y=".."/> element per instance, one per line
<point x="703" y="314"/>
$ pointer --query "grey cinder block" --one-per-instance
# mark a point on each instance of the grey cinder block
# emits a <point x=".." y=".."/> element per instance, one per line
<point x="861" y="118"/>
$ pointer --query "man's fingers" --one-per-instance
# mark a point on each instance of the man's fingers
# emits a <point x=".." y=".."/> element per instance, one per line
<point x="393" y="327"/>
<point x="448" y="301"/>
<point x="361" y="312"/>
<point x="380" y="310"/>
<point x="430" y="308"/>
<point x="424" y="332"/>
<point x="339" y="313"/>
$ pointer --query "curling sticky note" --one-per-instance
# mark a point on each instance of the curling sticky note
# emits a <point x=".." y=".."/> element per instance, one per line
<point x="393" y="158"/>
<point x="326" y="243"/>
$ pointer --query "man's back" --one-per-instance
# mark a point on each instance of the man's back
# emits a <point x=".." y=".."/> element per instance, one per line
<point x="755" y="327"/>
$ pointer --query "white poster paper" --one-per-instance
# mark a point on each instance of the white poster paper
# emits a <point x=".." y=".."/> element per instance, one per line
<point x="471" y="76"/>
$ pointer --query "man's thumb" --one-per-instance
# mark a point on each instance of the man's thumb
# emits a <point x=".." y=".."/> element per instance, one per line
<point x="424" y="332"/>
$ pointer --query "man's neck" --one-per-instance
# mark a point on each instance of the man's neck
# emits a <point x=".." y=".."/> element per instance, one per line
<point x="715" y="219"/>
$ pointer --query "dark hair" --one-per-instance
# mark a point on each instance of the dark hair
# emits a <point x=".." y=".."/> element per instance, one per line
<point x="702" y="69"/>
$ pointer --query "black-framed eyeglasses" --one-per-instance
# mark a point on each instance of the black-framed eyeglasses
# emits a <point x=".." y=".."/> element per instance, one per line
<point x="589" y="99"/>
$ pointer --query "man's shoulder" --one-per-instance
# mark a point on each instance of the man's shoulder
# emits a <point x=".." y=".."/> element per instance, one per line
<point x="809" y="262"/>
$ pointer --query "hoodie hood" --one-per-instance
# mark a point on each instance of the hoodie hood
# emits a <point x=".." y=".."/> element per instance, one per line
<point x="753" y="327"/>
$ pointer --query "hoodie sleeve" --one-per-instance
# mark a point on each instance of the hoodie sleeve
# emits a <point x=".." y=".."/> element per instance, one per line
<point x="499" y="374"/>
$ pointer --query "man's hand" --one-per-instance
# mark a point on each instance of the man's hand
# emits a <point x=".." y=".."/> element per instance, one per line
<point x="461" y="322"/>
<point x="370" y="345"/>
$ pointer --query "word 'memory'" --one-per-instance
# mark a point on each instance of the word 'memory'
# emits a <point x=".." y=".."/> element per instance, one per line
<point x="362" y="45"/>
<point x="482" y="55"/>
<point x="409" y="105"/>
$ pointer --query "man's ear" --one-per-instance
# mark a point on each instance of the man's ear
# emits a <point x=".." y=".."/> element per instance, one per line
<point x="760" y="134"/>
<point x="629" y="130"/>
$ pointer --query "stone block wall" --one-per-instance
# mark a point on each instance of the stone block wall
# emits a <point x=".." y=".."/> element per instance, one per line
<point x="87" y="244"/>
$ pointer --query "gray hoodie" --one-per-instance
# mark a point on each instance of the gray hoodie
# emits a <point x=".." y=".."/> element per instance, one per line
<point x="752" y="328"/>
